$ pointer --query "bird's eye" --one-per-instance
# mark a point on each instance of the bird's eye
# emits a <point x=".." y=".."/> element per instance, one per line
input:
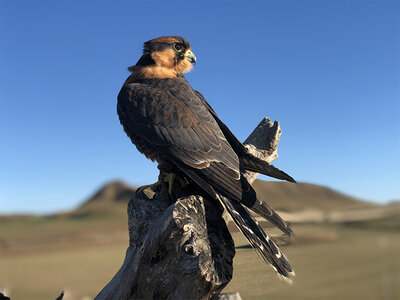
<point x="178" y="47"/>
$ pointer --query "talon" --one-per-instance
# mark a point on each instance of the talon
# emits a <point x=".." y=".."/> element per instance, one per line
<point x="170" y="179"/>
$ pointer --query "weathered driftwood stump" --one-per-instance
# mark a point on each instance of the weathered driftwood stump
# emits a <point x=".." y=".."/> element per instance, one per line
<point x="180" y="246"/>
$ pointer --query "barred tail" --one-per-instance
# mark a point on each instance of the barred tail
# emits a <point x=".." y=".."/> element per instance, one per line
<point x="264" y="210"/>
<point x="250" y="199"/>
<point x="257" y="238"/>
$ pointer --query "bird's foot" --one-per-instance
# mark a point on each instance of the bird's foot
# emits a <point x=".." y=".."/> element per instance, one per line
<point x="170" y="178"/>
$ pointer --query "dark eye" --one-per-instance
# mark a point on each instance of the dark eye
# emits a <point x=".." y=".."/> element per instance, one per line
<point x="178" y="47"/>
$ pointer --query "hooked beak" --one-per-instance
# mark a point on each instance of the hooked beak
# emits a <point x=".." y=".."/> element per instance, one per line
<point x="190" y="56"/>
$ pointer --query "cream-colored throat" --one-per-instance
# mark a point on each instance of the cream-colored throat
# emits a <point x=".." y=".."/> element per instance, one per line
<point x="144" y="72"/>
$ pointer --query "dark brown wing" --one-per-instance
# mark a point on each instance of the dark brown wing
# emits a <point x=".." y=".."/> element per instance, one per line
<point x="247" y="161"/>
<point x="175" y="123"/>
<point x="252" y="163"/>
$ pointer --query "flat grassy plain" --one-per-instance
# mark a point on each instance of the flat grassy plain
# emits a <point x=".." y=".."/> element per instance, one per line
<point x="40" y="257"/>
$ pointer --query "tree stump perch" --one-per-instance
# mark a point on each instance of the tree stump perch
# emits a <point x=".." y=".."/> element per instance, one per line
<point x="182" y="249"/>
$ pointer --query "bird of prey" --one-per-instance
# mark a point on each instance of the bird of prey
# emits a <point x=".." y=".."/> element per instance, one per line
<point x="169" y="121"/>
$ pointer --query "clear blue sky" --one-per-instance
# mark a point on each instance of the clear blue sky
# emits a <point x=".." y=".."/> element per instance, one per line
<point x="327" y="70"/>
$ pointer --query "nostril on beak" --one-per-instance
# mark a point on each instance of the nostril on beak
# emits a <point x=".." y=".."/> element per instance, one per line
<point x="190" y="57"/>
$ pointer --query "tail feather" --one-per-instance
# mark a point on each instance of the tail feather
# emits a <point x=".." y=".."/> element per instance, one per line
<point x="257" y="238"/>
<point x="265" y="211"/>
<point x="250" y="199"/>
<point x="254" y="164"/>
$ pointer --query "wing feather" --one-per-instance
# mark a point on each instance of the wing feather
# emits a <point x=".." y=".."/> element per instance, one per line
<point x="179" y="126"/>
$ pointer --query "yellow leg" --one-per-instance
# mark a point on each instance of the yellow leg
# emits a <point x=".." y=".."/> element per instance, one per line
<point x="170" y="179"/>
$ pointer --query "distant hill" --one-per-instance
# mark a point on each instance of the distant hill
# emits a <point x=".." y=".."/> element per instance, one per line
<point x="291" y="197"/>
<point x="112" y="198"/>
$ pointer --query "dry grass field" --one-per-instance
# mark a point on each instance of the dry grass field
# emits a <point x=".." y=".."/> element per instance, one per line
<point x="81" y="256"/>
<point x="81" y="251"/>
<point x="331" y="263"/>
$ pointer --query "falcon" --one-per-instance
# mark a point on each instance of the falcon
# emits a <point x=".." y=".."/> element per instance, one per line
<point x="169" y="121"/>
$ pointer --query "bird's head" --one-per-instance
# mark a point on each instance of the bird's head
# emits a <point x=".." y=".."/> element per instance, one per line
<point x="165" y="57"/>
